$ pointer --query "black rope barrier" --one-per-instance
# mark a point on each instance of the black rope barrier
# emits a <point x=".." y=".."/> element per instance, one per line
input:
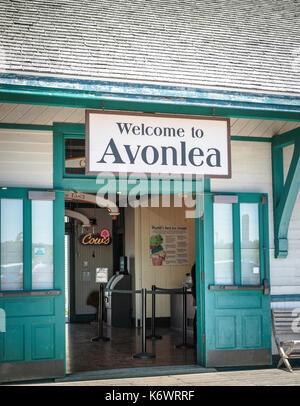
<point x="154" y="291"/>
<point x="122" y="291"/>
<point x="153" y="335"/>
<point x="144" y="354"/>
<point x="100" y="335"/>
<point x="184" y="343"/>
<point x="169" y="290"/>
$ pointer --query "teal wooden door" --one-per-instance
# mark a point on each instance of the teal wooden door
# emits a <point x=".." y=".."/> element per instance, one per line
<point x="235" y="287"/>
<point x="32" y="337"/>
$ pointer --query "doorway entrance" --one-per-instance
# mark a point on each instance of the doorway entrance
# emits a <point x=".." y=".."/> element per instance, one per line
<point x="165" y="264"/>
<point x="225" y="332"/>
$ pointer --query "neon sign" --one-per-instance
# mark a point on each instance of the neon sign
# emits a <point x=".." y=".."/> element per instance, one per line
<point x="102" y="238"/>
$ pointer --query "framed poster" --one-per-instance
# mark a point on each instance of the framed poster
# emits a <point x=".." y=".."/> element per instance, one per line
<point x="169" y="245"/>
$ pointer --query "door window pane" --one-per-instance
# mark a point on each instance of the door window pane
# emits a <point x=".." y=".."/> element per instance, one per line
<point x="250" y="261"/>
<point x="11" y="244"/>
<point x="223" y="244"/>
<point x="42" y="244"/>
<point x="75" y="156"/>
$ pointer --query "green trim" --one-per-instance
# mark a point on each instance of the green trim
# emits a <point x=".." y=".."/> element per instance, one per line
<point x="27" y="243"/>
<point x="59" y="273"/>
<point x="0" y="249"/>
<point x="206" y="186"/>
<point x="208" y="254"/>
<point x="145" y="103"/>
<point x="253" y="139"/>
<point x="26" y="127"/>
<point x="263" y="271"/>
<point x="285" y="298"/>
<point x="72" y="276"/>
<point x="200" y="284"/>
<point x="70" y="130"/>
<point x="236" y="233"/>
<point x="278" y="173"/>
<point x="286" y="139"/>
<point x="58" y="156"/>
<point x="284" y="194"/>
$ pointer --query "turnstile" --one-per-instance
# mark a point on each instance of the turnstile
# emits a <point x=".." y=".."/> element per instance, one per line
<point x="118" y="305"/>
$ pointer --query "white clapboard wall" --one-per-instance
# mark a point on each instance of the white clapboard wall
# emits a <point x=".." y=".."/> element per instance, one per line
<point x="26" y="158"/>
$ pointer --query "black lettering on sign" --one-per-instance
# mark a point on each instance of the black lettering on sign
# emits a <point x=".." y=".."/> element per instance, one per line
<point x="114" y="152"/>
<point x="163" y="155"/>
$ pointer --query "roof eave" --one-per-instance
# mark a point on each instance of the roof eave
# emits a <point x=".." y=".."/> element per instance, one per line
<point x="108" y="90"/>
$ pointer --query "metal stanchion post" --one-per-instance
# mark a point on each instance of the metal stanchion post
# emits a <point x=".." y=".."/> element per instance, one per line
<point x="184" y="344"/>
<point x="100" y="317"/>
<point x="144" y="354"/>
<point x="153" y="336"/>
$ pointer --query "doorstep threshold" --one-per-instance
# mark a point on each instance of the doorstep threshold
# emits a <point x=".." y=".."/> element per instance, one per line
<point x="135" y="373"/>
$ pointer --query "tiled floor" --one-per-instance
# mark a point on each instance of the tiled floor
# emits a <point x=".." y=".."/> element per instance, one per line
<point x="84" y="355"/>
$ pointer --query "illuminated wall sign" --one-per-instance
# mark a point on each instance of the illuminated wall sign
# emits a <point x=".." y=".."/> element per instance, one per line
<point x="153" y="143"/>
<point x="102" y="238"/>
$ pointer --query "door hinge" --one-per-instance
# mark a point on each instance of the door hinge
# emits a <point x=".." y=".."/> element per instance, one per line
<point x="203" y="338"/>
<point x="202" y="276"/>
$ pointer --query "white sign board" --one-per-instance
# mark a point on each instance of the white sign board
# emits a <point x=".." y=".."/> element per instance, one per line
<point x="153" y="143"/>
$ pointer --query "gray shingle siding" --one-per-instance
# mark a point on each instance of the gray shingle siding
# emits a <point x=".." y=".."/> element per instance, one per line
<point x="231" y="44"/>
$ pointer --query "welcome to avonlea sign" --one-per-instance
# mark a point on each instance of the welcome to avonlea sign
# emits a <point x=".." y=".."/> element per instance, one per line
<point x="157" y="144"/>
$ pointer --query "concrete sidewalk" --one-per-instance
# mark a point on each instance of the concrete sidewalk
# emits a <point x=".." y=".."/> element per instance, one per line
<point x="254" y="377"/>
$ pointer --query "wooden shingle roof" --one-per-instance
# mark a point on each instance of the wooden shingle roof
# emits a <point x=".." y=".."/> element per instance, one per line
<point x="248" y="45"/>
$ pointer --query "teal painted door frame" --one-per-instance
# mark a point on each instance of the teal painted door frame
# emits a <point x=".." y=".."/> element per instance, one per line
<point x="237" y="319"/>
<point x="64" y="182"/>
<point x="33" y="345"/>
<point x="200" y="285"/>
